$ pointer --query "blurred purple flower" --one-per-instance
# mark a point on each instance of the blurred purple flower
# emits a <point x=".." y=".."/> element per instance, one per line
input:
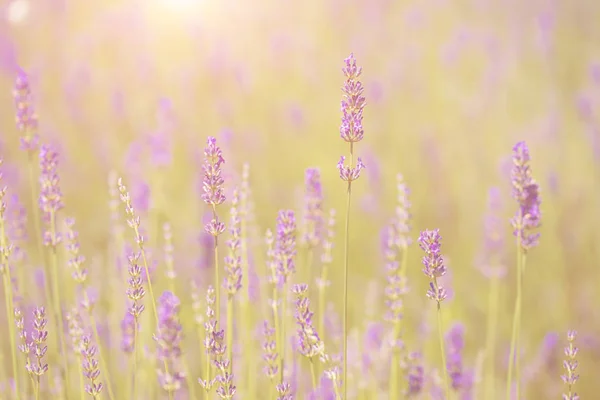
<point x="526" y="192"/>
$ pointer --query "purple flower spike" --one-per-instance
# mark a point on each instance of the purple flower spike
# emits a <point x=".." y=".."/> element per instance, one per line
<point x="168" y="340"/>
<point x="26" y="118"/>
<point x="353" y="103"/>
<point x="285" y="245"/>
<point x="430" y="243"/>
<point x="50" y="199"/>
<point x="416" y="375"/>
<point x="349" y="173"/>
<point x="313" y="208"/>
<point x="570" y="365"/>
<point x="455" y="343"/>
<point x="526" y="192"/>
<point x="212" y="184"/>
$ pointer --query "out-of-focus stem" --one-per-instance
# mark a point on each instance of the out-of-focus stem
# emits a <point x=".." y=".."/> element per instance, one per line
<point x="491" y="337"/>
<point x="135" y="356"/>
<point x="245" y="310"/>
<point x="313" y="374"/>
<point x="81" y="378"/>
<point x="229" y="333"/>
<point x="103" y="364"/>
<point x="394" y="368"/>
<point x="442" y="349"/>
<point x="519" y="318"/>
<point x="10" y="315"/>
<point x="514" y="351"/>
<point x="284" y="323"/>
<point x="57" y="307"/>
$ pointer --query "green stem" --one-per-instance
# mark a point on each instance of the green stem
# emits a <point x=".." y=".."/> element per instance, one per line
<point x="284" y="322"/>
<point x="229" y="332"/>
<point x="104" y="365"/>
<point x="346" y="262"/>
<point x="57" y="307"/>
<point x="442" y="350"/>
<point x="394" y="392"/>
<point x="81" y="379"/>
<point x="518" y="344"/>
<point x="513" y="354"/>
<point x="37" y="388"/>
<point x="313" y="374"/>
<point x="490" y="341"/>
<point x="135" y="356"/>
<point x="245" y="310"/>
<point x="345" y="318"/>
<point x="10" y="315"/>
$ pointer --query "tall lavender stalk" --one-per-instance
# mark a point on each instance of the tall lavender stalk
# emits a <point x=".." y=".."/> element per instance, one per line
<point x="39" y="335"/>
<point x="351" y="131"/>
<point x="527" y="218"/>
<point x="91" y="367"/>
<point x="214" y="195"/>
<point x="5" y="252"/>
<point x="492" y="266"/>
<point x="285" y="266"/>
<point x="312" y="218"/>
<point x="135" y="292"/>
<point x="430" y="243"/>
<point x="79" y="274"/>
<point x="27" y="125"/>
<point x="396" y="254"/>
<point x="233" y="268"/>
<point x="310" y="344"/>
<point x="50" y="203"/>
<point x="168" y="339"/>
<point x="570" y="365"/>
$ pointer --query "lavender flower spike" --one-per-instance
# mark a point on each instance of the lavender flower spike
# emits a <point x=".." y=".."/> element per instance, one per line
<point x="26" y="118"/>
<point x="212" y="184"/>
<point x="526" y="192"/>
<point x="570" y="365"/>
<point x="313" y="208"/>
<point x="168" y="339"/>
<point x="430" y="243"/>
<point x="353" y="103"/>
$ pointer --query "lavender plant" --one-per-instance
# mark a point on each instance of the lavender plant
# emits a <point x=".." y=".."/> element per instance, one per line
<point x="351" y="131"/>
<point x="281" y="338"/>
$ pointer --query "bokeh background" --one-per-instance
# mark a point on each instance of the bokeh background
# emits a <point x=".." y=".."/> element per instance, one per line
<point x="451" y="86"/>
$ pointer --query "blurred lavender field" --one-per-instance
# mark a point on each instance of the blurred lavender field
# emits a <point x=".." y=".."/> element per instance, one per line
<point x="127" y="94"/>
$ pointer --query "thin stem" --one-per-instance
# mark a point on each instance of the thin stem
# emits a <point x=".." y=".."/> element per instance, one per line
<point x="245" y="310"/>
<point x="313" y="374"/>
<point x="345" y="321"/>
<point x="515" y="325"/>
<point x="105" y="368"/>
<point x="442" y="350"/>
<point x="10" y="315"/>
<point x="154" y="309"/>
<point x="81" y="378"/>
<point x="135" y="346"/>
<point x="284" y="322"/>
<point x="229" y="332"/>
<point x="519" y="318"/>
<point x="490" y="342"/>
<point x="37" y="388"/>
<point x="278" y="344"/>
<point x="36" y="211"/>
<point x="394" y="392"/>
<point x="346" y="262"/>
<point x="394" y="368"/>
<point x="57" y="306"/>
